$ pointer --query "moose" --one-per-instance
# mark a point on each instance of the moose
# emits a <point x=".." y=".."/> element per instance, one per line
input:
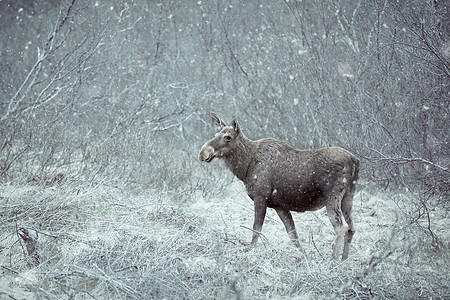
<point x="286" y="179"/>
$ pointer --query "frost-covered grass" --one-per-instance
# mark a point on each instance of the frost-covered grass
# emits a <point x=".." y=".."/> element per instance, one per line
<point x="103" y="243"/>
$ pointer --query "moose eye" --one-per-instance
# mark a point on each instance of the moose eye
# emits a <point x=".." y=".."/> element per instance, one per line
<point x="227" y="138"/>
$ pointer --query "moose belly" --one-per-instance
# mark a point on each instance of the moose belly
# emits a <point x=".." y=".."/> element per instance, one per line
<point x="300" y="201"/>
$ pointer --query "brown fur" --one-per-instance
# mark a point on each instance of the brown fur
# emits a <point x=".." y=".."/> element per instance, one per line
<point x="286" y="179"/>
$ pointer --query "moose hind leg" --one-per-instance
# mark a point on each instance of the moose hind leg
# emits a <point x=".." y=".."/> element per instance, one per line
<point x="335" y="215"/>
<point x="347" y="212"/>
<point x="286" y="218"/>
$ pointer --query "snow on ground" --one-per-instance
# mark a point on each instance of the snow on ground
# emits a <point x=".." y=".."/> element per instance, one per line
<point x="199" y="247"/>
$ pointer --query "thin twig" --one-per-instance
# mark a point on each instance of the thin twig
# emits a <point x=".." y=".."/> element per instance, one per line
<point x="257" y="232"/>
<point x="314" y="244"/>
<point x="10" y="270"/>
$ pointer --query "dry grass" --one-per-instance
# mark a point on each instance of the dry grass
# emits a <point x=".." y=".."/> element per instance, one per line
<point x="102" y="243"/>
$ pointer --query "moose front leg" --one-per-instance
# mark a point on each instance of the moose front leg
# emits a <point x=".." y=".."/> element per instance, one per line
<point x="260" y="214"/>
<point x="286" y="218"/>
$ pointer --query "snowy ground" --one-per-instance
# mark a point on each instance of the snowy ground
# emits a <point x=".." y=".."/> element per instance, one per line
<point x="99" y="242"/>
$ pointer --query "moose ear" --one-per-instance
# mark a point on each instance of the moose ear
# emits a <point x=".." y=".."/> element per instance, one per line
<point x="217" y="121"/>
<point x="235" y="125"/>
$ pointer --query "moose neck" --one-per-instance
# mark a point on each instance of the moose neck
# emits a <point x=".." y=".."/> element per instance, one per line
<point x="242" y="157"/>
